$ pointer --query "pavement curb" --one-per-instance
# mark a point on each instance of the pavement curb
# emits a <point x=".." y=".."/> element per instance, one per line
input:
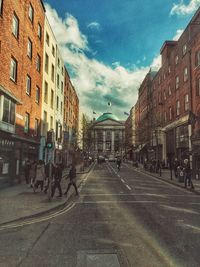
<point x="166" y="181"/>
<point x="50" y="210"/>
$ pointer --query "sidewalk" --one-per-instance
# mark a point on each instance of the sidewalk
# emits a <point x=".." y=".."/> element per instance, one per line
<point x="19" y="201"/>
<point x="166" y="176"/>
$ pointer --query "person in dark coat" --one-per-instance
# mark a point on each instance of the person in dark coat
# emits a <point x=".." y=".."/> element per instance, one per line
<point x="72" y="180"/>
<point x="27" y="168"/>
<point x="57" y="177"/>
<point x="176" y="165"/>
<point x="188" y="174"/>
<point x="118" y="163"/>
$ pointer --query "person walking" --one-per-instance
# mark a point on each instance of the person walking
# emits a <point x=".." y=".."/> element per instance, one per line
<point x="33" y="173"/>
<point x="176" y="165"/>
<point x="27" y="168"/>
<point x="188" y="174"/>
<point x="40" y="176"/>
<point x="72" y="178"/>
<point x="119" y="163"/>
<point x="57" y="176"/>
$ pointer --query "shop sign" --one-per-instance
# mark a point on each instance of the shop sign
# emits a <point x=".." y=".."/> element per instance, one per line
<point x="6" y="143"/>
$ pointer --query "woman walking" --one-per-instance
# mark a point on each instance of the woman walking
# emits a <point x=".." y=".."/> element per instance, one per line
<point x="40" y="176"/>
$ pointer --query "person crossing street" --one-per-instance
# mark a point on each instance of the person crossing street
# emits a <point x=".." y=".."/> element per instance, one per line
<point x="57" y="177"/>
<point x="72" y="178"/>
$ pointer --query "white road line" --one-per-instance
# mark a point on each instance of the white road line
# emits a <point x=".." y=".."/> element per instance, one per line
<point x="128" y="187"/>
<point x="122" y="180"/>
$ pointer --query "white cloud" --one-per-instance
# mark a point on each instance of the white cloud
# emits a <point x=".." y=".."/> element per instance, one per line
<point x="185" y="9"/>
<point x="94" y="25"/>
<point x="178" y="34"/>
<point x="95" y="82"/>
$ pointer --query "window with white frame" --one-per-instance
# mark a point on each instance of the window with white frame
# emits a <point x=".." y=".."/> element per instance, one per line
<point x="58" y="81"/>
<point x="177" y="82"/>
<point x="36" y="127"/>
<point x="52" y="72"/>
<point x="159" y="80"/>
<point x="37" y="95"/>
<point x="38" y="63"/>
<point x="198" y="86"/>
<point x="47" y="38"/>
<point x="28" y="85"/>
<point x="176" y="59"/>
<point x="8" y="112"/>
<point x="169" y="90"/>
<point x="178" y="108"/>
<point x="186" y="102"/>
<point x="197" y="58"/>
<point x="31" y="13"/>
<point x="61" y="86"/>
<point x="46" y="63"/>
<point x="51" y="122"/>
<point x="165" y="116"/>
<point x="29" y="48"/>
<point x="39" y="31"/>
<point x="169" y="69"/>
<point x="164" y="94"/>
<point x="58" y="63"/>
<point x="53" y="50"/>
<point x="1" y="7"/>
<point x="184" y="49"/>
<point x="170" y="113"/>
<point x="57" y="103"/>
<point x="185" y="74"/>
<point x="26" y="122"/>
<point x="52" y="98"/>
<point x="15" y="26"/>
<point x="13" y="69"/>
<point x="61" y="108"/>
<point x="46" y="92"/>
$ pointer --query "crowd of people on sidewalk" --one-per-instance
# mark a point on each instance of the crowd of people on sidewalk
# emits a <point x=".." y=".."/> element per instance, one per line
<point x="48" y="177"/>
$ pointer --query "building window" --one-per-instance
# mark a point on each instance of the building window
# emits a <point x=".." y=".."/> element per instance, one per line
<point x="62" y="71"/>
<point x="177" y="82"/>
<point x="62" y="87"/>
<point x="39" y="31"/>
<point x="46" y="92"/>
<point x="44" y="122"/>
<point x="164" y="94"/>
<point x="184" y="49"/>
<point x="1" y="7"/>
<point x="159" y="80"/>
<point x="186" y="102"/>
<point x="170" y="113"/>
<point x="37" y="95"/>
<point x="58" y="81"/>
<point x="13" y="69"/>
<point x="51" y="123"/>
<point x="8" y="114"/>
<point x="165" y="116"/>
<point x="176" y="59"/>
<point x="164" y="76"/>
<point x="178" y="108"/>
<point x="52" y="98"/>
<point x="169" y="90"/>
<point x="38" y="63"/>
<point x="53" y="50"/>
<point x="29" y="49"/>
<point x="57" y="103"/>
<point x="61" y="108"/>
<point x="28" y="85"/>
<point x="169" y="69"/>
<point x="15" y="26"/>
<point x="198" y="87"/>
<point x="52" y="72"/>
<point x="185" y="74"/>
<point x="26" y="122"/>
<point x="46" y="63"/>
<point x="36" y="127"/>
<point x="31" y="13"/>
<point x="58" y="63"/>
<point x="47" y="38"/>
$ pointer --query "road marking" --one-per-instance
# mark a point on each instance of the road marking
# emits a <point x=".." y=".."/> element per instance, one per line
<point x="122" y="180"/>
<point x="119" y="201"/>
<point x="128" y="187"/>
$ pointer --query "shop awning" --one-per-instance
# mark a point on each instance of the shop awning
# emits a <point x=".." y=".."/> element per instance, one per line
<point x="10" y="95"/>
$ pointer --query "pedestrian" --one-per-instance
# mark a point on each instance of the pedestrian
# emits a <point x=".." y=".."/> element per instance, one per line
<point x="57" y="176"/>
<point x="72" y="179"/>
<point x="33" y="173"/>
<point x="188" y="174"/>
<point x="118" y="163"/>
<point x="40" y="176"/>
<point x="176" y="164"/>
<point x="27" y="168"/>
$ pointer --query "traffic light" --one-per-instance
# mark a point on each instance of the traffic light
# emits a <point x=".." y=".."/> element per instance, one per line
<point x="49" y="142"/>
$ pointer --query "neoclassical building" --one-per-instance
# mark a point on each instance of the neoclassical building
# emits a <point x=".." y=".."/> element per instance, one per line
<point x="106" y="136"/>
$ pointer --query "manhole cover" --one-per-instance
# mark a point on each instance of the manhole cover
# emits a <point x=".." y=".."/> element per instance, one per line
<point x="101" y="258"/>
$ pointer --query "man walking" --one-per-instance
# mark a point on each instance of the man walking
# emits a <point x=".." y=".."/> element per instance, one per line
<point x="57" y="176"/>
<point x="188" y="174"/>
<point x="40" y="176"/>
<point x="72" y="178"/>
<point x="119" y="163"/>
<point x="27" y="168"/>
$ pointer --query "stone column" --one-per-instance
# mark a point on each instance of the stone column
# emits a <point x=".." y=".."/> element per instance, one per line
<point x="164" y="146"/>
<point x="104" y="141"/>
<point x="113" y="142"/>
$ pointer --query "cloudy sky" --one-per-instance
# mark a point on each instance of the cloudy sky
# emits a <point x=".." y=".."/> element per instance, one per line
<point x="108" y="46"/>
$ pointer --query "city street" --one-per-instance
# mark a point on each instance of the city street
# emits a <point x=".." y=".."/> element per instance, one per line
<point x="120" y="219"/>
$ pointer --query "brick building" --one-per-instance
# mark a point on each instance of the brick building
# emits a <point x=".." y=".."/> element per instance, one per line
<point x="21" y="50"/>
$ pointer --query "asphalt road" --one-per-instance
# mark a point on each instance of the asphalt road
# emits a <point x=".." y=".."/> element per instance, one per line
<point x="124" y="218"/>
